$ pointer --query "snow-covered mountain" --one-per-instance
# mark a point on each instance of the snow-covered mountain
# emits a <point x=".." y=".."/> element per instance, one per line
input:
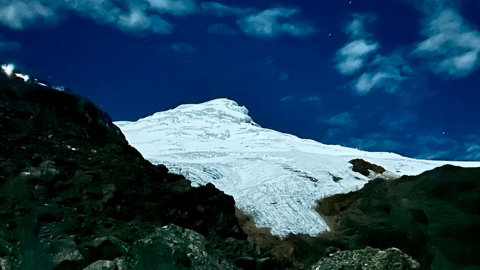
<point x="275" y="177"/>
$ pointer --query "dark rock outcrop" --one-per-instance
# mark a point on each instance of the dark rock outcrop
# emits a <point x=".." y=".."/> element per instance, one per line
<point x="368" y="259"/>
<point x="433" y="217"/>
<point x="365" y="168"/>
<point x="73" y="191"/>
<point x="172" y="247"/>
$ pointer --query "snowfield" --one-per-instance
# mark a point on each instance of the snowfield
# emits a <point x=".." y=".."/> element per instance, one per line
<point x="274" y="177"/>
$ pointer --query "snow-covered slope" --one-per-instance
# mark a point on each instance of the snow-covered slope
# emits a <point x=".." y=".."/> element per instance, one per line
<point x="275" y="177"/>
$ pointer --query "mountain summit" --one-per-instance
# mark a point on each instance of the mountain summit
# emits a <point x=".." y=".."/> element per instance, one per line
<point x="276" y="178"/>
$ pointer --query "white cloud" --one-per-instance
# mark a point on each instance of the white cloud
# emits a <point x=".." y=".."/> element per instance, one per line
<point x="432" y="139"/>
<point x="183" y="47"/>
<point x="364" y="144"/>
<point x="136" y="19"/>
<point x="310" y="99"/>
<point x="265" y="23"/>
<point x="7" y="45"/>
<point x="434" y="146"/>
<point x="355" y="28"/>
<point x="222" y="29"/>
<point x="130" y="16"/>
<point x="148" y="15"/>
<point x="375" y="142"/>
<point x="272" y="22"/>
<point x="287" y="98"/>
<point x="383" y="72"/>
<point x="452" y="46"/>
<point x="423" y="145"/>
<point x="472" y="148"/>
<point x="19" y="14"/>
<point x="99" y="10"/>
<point x="472" y="152"/>
<point x="175" y="7"/>
<point x="351" y="57"/>
<point x="434" y="155"/>
<point x="284" y="76"/>
<point x="398" y="120"/>
<point x="342" y="119"/>
<point x="223" y="10"/>
<point x="333" y="133"/>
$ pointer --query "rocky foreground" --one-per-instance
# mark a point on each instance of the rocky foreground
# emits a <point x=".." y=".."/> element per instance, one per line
<point x="75" y="195"/>
<point x="434" y="217"/>
<point x="73" y="192"/>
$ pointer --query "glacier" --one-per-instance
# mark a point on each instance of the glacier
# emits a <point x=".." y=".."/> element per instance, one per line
<point x="274" y="177"/>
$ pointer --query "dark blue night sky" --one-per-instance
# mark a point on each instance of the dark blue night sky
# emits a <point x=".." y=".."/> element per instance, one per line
<point x="376" y="75"/>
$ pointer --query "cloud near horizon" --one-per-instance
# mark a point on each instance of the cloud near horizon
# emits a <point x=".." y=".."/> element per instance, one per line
<point x="421" y="146"/>
<point x="8" y="45"/>
<point x="342" y="119"/>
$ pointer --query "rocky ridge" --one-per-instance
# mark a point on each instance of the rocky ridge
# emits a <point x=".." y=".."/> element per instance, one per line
<point x="73" y="192"/>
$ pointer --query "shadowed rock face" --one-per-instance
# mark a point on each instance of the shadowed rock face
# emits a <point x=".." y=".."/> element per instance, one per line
<point x="434" y="217"/>
<point x="69" y="178"/>
<point x="368" y="258"/>
<point x="364" y="167"/>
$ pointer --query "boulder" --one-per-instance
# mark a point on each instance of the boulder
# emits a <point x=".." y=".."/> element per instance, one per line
<point x="367" y="259"/>
<point x="107" y="248"/>
<point x="172" y="247"/>
<point x="4" y="264"/>
<point x="102" y="265"/>
<point x="65" y="254"/>
<point x="5" y="248"/>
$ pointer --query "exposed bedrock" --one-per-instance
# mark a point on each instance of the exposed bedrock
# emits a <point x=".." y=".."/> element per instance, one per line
<point x="368" y="258"/>
<point x="365" y="167"/>
<point x="434" y="217"/>
<point x="72" y="191"/>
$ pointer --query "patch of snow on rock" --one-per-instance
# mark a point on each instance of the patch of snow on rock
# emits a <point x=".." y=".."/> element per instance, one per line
<point x="22" y="76"/>
<point x="8" y="69"/>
